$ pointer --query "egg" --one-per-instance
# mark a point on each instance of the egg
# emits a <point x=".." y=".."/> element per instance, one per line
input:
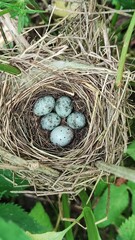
<point x="44" y="105"/>
<point x="61" y="135"/>
<point x="63" y="106"/>
<point x="76" y="120"/>
<point x="50" y="121"/>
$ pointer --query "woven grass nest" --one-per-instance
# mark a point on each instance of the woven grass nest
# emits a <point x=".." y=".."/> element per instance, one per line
<point x="25" y="148"/>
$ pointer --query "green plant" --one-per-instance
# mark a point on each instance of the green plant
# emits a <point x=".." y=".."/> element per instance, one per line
<point x="36" y="225"/>
<point x="130" y="4"/>
<point x="116" y="204"/>
<point x="121" y="28"/>
<point x="122" y="60"/>
<point x="10" y="183"/>
<point x="21" y="9"/>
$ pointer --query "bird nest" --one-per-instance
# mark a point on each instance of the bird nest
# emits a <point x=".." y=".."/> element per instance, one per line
<point x="88" y="78"/>
<point x="28" y="148"/>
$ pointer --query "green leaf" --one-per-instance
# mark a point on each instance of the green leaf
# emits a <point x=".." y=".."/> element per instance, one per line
<point x="9" y="230"/>
<point x="131" y="150"/>
<point x="118" y="201"/>
<point x="47" y="236"/>
<point x="14" y="213"/>
<point x="38" y="213"/>
<point x="9" y="69"/>
<point x="54" y="235"/>
<point x="10" y="182"/>
<point x="101" y="186"/>
<point x="127" y="229"/>
<point x="90" y="223"/>
<point x="130" y="4"/>
<point x="114" y="2"/>
<point x="131" y="186"/>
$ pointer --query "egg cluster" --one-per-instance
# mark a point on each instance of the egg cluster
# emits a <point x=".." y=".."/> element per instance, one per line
<point x="52" y="112"/>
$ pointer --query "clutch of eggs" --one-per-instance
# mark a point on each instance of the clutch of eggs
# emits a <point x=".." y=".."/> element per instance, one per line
<point x="60" y="135"/>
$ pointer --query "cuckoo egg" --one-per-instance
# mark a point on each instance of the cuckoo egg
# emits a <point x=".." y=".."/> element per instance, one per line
<point x="63" y="106"/>
<point x="61" y="136"/>
<point x="44" y="105"/>
<point x="50" y="121"/>
<point x="76" y="120"/>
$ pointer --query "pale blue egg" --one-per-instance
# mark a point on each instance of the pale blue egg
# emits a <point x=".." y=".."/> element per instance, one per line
<point x="76" y="120"/>
<point x="50" y="121"/>
<point x="61" y="136"/>
<point x="63" y="106"/>
<point x="44" y="105"/>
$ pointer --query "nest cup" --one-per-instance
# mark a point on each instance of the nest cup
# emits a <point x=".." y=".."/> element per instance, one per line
<point x="30" y="124"/>
<point x="53" y="169"/>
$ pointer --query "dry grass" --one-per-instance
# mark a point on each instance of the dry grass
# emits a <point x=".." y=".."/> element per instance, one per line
<point x="76" y="62"/>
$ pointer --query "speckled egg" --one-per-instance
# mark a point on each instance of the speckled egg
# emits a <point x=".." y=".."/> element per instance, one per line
<point x="50" y="121"/>
<point x="61" y="136"/>
<point x="63" y="106"/>
<point x="76" y="120"/>
<point x="44" y="105"/>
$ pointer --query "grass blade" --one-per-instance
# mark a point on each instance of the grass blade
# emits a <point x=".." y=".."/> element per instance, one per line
<point x="115" y="16"/>
<point x="124" y="51"/>
<point x="92" y="230"/>
<point x="84" y="198"/>
<point x="42" y="15"/>
<point x="2" y="12"/>
<point x="66" y="214"/>
<point x="9" y="69"/>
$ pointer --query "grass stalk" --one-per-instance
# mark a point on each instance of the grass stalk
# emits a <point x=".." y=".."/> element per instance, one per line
<point x="124" y="51"/>
<point x="118" y="171"/>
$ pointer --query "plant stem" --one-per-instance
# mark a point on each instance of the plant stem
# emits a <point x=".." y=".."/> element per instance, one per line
<point x="124" y="51"/>
<point x="75" y="222"/>
<point x="118" y="171"/>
